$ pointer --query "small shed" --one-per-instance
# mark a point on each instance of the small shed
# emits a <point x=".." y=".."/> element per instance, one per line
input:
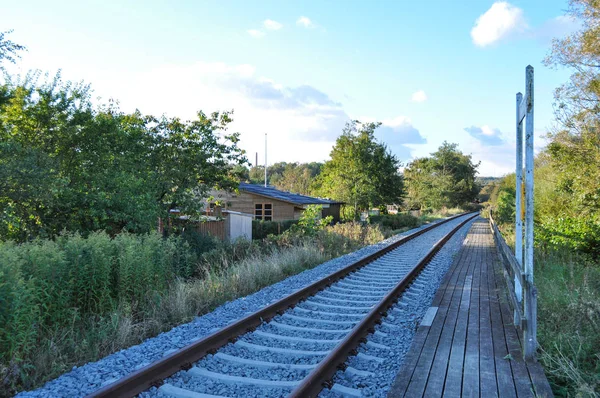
<point x="271" y="204"/>
<point x="238" y="225"/>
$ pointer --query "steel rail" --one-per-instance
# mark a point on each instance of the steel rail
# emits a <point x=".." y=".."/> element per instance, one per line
<point x="316" y="380"/>
<point x="182" y="359"/>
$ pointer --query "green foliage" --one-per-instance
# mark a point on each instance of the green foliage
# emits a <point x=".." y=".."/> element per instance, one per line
<point x="291" y="177"/>
<point x="46" y="284"/>
<point x="396" y="221"/>
<point x="297" y="178"/>
<point x="569" y="321"/>
<point x="261" y="229"/>
<point x="445" y="179"/>
<point x="199" y="243"/>
<point x="310" y="222"/>
<point x="361" y="172"/>
<point x="8" y="49"/>
<point x="576" y="233"/>
<point x="568" y="175"/>
<point x="67" y="164"/>
<point x="577" y="104"/>
<point x="505" y="212"/>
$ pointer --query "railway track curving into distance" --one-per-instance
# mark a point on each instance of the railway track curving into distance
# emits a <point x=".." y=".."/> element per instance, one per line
<point x="294" y="346"/>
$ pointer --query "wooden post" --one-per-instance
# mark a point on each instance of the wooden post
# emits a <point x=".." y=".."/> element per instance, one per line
<point x="518" y="213"/>
<point x="530" y="340"/>
<point x="519" y="188"/>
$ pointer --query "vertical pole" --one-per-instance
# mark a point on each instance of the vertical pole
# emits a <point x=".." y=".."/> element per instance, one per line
<point x="519" y="189"/>
<point x="265" y="160"/>
<point x="519" y="213"/>
<point x="530" y="299"/>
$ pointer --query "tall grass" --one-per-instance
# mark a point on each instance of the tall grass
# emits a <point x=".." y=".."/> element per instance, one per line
<point x="568" y="286"/>
<point x="569" y="321"/>
<point x="74" y="300"/>
<point x="49" y="285"/>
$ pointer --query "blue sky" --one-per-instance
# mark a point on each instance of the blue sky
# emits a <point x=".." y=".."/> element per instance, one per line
<point x="430" y="71"/>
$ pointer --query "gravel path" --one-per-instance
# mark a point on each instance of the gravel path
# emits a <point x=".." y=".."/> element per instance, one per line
<point x="88" y="378"/>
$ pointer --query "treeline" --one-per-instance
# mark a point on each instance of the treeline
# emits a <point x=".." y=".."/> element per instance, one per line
<point x="364" y="174"/>
<point x="66" y="163"/>
<point x="567" y="171"/>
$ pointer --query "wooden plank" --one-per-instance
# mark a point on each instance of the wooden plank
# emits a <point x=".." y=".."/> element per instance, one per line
<point x="428" y="317"/>
<point x="487" y="366"/>
<point x="454" y="375"/>
<point x="472" y="347"/>
<point x="470" y="382"/>
<point x="504" y="376"/>
<point x="420" y="374"/>
<point x="518" y="366"/>
<point x="439" y="367"/>
<point x="538" y="379"/>
<point x="402" y="380"/>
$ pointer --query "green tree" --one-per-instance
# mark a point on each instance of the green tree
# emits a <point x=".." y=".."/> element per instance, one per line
<point x="578" y="101"/>
<point x="362" y="172"/>
<point x="573" y="155"/>
<point x="445" y="179"/>
<point x="9" y="50"/>
<point x="67" y="164"/>
<point x="297" y="178"/>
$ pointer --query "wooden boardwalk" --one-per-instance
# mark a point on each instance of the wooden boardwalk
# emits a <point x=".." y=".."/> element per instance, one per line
<point x="467" y="344"/>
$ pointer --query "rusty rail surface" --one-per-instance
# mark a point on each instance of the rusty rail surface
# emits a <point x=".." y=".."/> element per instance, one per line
<point x="182" y="359"/>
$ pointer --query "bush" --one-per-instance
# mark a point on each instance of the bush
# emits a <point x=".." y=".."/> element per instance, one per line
<point x="200" y="243"/>
<point x="261" y="229"/>
<point x="396" y="221"/>
<point x="574" y="233"/>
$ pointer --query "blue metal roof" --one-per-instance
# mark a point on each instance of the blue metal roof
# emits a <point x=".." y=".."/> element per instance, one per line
<point x="294" y="198"/>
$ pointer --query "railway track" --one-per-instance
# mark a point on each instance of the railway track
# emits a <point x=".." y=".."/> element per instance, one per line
<point x="294" y="346"/>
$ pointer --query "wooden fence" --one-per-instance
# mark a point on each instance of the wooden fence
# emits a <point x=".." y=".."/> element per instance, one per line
<point x="525" y="310"/>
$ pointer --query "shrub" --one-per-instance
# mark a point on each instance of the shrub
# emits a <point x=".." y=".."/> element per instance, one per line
<point x="396" y="221"/>
<point x="261" y="229"/>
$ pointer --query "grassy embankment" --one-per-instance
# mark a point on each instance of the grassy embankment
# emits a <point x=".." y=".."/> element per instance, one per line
<point x="73" y="300"/>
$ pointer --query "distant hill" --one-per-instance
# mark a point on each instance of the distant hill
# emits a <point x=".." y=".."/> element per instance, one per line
<point x="487" y="180"/>
<point x="487" y="185"/>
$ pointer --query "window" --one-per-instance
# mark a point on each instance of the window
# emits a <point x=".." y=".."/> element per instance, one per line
<point x="263" y="211"/>
<point x="268" y="212"/>
<point x="258" y="211"/>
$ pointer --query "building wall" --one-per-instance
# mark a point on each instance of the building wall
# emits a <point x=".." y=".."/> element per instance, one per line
<point x="245" y="202"/>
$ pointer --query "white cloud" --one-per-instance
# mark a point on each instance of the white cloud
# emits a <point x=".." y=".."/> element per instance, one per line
<point x="398" y="134"/>
<point x="486" y="135"/>
<point x="304" y="21"/>
<point x="272" y="25"/>
<point x="419" y="96"/>
<point x="302" y="122"/>
<point x="257" y="34"/>
<point x="500" y="21"/>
